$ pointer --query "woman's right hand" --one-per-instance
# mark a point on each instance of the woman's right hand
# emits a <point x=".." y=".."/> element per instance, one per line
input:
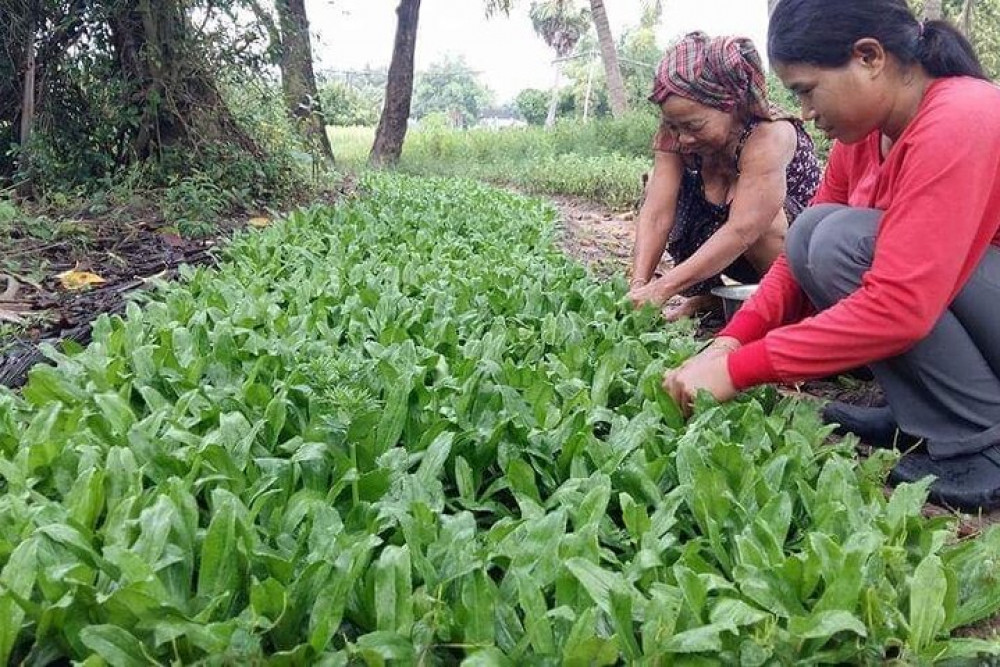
<point x="654" y="293"/>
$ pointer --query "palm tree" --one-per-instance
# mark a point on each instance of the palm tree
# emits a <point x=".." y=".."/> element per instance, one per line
<point x="561" y="26"/>
<point x="616" y="87"/>
<point x="652" y="11"/>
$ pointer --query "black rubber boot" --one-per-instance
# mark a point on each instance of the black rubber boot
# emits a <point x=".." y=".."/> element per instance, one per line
<point x="874" y="426"/>
<point x="970" y="483"/>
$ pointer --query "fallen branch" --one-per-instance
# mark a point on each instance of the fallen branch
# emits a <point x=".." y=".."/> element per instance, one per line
<point x="11" y="291"/>
<point x="11" y="317"/>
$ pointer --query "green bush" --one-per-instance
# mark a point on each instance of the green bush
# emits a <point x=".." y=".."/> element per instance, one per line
<point x="533" y="105"/>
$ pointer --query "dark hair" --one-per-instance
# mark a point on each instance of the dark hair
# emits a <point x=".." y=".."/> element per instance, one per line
<point x="823" y="33"/>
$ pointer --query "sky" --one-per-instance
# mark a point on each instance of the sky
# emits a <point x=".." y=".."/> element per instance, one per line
<point x="351" y="34"/>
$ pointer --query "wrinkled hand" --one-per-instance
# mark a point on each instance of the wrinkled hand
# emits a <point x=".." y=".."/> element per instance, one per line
<point x="653" y="293"/>
<point x="708" y="370"/>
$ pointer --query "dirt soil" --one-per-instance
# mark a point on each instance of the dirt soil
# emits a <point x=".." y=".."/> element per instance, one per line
<point x="128" y="251"/>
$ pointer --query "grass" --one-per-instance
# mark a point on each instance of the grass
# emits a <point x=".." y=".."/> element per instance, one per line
<point x="602" y="160"/>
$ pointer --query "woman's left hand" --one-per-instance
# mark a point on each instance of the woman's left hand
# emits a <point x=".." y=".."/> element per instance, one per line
<point x="704" y="371"/>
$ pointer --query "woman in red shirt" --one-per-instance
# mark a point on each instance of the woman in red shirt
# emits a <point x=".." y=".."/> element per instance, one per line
<point x="896" y="265"/>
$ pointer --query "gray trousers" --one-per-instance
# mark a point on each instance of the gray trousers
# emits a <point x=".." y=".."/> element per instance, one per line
<point x="945" y="389"/>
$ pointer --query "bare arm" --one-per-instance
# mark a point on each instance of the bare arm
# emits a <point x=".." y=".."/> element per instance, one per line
<point x="758" y="202"/>
<point x="656" y="218"/>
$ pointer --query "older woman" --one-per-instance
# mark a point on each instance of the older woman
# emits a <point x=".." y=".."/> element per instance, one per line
<point x="730" y="172"/>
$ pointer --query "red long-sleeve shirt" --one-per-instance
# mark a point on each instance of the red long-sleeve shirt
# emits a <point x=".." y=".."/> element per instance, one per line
<point x="939" y="188"/>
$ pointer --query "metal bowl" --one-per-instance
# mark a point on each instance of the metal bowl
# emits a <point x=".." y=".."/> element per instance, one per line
<point x="733" y="297"/>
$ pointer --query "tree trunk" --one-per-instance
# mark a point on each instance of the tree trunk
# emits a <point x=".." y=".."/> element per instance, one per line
<point x="298" y="81"/>
<point x="27" y="110"/>
<point x="179" y="101"/>
<point x="933" y="10"/>
<point x="391" y="130"/>
<point x="616" y="88"/>
<point x="550" y="118"/>
<point x="968" y="10"/>
<point x="590" y="89"/>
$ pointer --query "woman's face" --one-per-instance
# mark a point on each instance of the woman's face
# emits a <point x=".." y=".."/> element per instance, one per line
<point x="698" y="128"/>
<point x="847" y="103"/>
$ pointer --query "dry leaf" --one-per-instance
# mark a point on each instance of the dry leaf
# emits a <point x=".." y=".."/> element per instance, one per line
<point x="74" y="279"/>
<point x="260" y="222"/>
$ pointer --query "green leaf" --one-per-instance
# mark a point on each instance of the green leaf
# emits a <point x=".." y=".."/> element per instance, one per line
<point x="585" y="647"/>
<point x="394" y="590"/>
<point x="928" y="588"/>
<point x="464" y="480"/>
<point x="487" y="657"/>
<point x="386" y="646"/>
<point x="435" y="456"/>
<point x="521" y="478"/>
<point x="218" y="571"/>
<point x="116" y="411"/>
<point x="390" y="425"/>
<point x="478" y="600"/>
<point x="268" y="599"/>
<point x="608" y="368"/>
<point x="736" y="612"/>
<point x="826" y="624"/>
<point x="704" y="639"/>
<point x="117" y="646"/>
<point x="599" y="582"/>
<point x="17" y="578"/>
<point x="532" y="601"/>
<point x="275" y="415"/>
<point x="622" y="619"/>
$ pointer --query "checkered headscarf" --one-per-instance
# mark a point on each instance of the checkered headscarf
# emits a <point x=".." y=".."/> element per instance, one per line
<point x="721" y="72"/>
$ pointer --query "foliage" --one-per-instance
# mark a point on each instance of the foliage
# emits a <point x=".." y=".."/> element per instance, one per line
<point x="985" y="35"/>
<point x="353" y="98"/>
<point x="638" y="54"/>
<point x="560" y="23"/>
<point x="451" y="88"/>
<point x="603" y="160"/>
<point x="193" y="205"/>
<point x="9" y="213"/>
<point x="407" y="429"/>
<point x="533" y="105"/>
<point x="344" y="105"/>
<point x="103" y="117"/>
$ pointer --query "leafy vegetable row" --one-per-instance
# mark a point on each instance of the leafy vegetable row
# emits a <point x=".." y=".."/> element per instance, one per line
<point x="406" y="429"/>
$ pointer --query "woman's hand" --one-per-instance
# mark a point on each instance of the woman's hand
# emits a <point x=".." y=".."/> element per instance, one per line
<point x="655" y="293"/>
<point x="708" y="370"/>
